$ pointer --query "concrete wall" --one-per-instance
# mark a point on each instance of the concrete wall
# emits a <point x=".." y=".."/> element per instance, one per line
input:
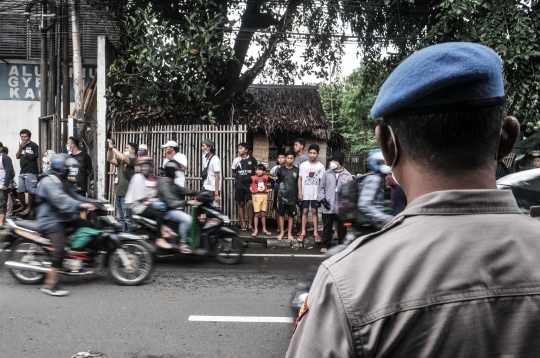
<point x="14" y="116"/>
<point x="106" y="55"/>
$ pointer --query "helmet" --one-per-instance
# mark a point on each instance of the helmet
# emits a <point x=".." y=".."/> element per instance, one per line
<point x="59" y="163"/>
<point x="374" y="158"/>
<point x="144" y="160"/>
<point x="171" y="168"/>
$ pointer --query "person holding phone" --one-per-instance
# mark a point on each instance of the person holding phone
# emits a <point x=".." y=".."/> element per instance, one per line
<point x="125" y="163"/>
<point x="172" y="153"/>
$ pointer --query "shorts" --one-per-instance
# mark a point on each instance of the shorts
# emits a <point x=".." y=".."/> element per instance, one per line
<point x="3" y="201"/>
<point x="305" y="204"/>
<point x="286" y="209"/>
<point x="260" y="202"/>
<point x="27" y="183"/>
<point x="242" y="195"/>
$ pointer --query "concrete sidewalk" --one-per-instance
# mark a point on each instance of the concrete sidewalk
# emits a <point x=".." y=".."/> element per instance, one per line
<point x="262" y="241"/>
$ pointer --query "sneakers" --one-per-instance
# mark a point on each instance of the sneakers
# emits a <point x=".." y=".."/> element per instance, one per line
<point x="55" y="291"/>
<point x="324" y="250"/>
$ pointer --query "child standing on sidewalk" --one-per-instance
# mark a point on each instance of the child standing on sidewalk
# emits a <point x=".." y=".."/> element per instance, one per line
<point x="259" y="188"/>
<point x="288" y="194"/>
<point x="273" y="174"/>
<point x="311" y="173"/>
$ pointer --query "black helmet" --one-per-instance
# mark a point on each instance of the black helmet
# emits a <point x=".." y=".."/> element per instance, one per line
<point x="171" y="168"/>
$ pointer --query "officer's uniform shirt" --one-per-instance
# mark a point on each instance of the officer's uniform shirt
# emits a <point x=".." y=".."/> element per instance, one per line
<point x="454" y="275"/>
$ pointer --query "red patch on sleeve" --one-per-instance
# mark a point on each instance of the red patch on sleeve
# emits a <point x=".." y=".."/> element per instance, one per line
<point x="303" y="311"/>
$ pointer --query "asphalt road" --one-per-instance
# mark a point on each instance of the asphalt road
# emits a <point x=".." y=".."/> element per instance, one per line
<point x="151" y="321"/>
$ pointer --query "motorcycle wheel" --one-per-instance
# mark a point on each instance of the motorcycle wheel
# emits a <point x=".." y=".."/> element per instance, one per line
<point x="27" y="252"/>
<point x="229" y="250"/>
<point x="140" y="255"/>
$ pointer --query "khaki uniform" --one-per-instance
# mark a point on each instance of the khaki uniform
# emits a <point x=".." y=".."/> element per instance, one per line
<point x="455" y="275"/>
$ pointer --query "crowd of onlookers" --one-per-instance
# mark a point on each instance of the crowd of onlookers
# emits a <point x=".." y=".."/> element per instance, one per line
<point x="301" y="184"/>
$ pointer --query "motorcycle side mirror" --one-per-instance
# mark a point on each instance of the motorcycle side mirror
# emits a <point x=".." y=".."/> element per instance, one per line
<point x="535" y="211"/>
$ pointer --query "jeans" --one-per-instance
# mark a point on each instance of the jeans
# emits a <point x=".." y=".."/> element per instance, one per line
<point x="184" y="220"/>
<point x="124" y="213"/>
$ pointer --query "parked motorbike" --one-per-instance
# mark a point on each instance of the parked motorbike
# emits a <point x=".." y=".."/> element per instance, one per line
<point x="212" y="236"/>
<point x="127" y="257"/>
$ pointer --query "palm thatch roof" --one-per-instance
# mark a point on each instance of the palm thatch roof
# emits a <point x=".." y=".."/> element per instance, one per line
<point x="273" y="109"/>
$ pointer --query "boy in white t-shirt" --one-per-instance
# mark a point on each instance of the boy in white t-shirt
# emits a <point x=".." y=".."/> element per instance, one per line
<point x="310" y="177"/>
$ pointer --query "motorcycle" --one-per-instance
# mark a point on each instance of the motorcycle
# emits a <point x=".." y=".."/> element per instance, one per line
<point x="211" y="236"/>
<point x="127" y="257"/>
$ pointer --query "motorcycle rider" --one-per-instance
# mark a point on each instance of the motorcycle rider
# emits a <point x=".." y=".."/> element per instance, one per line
<point x="371" y="198"/>
<point x="58" y="207"/>
<point x="173" y="195"/>
<point x="142" y="192"/>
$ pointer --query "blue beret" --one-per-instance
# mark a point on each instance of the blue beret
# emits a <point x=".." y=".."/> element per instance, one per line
<point x="442" y="78"/>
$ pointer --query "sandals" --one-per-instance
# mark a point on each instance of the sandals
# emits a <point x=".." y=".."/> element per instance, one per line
<point x="254" y="234"/>
<point x="184" y="248"/>
<point x="317" y="238"/>
<point x="162" y="243"/>
<point x="243" y="228"/>
<point x="267" y="233"/>
<point x="300" y="238"/>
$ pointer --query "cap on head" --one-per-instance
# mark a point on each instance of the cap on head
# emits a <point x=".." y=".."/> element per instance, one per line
<point x="442" y="78"/>
<point x="209" y="142"/>
<point x="338" y="157"/>
<point x="170" y="143"/>
<point x="143" y="147"/>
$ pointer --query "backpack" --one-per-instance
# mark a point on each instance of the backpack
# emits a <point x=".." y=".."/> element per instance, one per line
<point x="349" y="213"/>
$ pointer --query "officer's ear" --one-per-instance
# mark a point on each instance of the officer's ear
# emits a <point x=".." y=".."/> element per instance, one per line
<point x="509" y="135"/>
<point x="386" y="143"/>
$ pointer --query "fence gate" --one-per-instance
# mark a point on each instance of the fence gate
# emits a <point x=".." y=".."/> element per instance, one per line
<point x="189" y="139"/>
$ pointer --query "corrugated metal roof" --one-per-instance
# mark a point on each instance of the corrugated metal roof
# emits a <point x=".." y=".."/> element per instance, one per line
<point x="19" y="41"/>
<point x="533" y="142"/>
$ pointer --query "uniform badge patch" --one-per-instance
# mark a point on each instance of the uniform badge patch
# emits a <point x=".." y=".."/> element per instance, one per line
<point x="303" y="311"/>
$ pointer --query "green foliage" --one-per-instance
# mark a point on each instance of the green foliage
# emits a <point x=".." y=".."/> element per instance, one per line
<point x="318" y="31"/>
<point x="347" y="104"/>
<point x="164" y="64"/>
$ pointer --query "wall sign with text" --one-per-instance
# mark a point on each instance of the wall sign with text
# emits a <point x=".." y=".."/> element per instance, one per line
<point x="21" y="82"/>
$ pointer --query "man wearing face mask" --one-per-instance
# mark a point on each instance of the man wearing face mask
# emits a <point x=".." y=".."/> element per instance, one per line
<point x="455" y="274"/>
<point x="125" y="163"/>
<point x="331" y="182"/>
<point x="143" y="151"/>
<point x="79" y="176"/>
<point x="371" y="198"/>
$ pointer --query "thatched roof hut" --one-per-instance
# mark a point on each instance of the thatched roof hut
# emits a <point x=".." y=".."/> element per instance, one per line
<point x="287" y="110"/>
<point x="275" y="110"/>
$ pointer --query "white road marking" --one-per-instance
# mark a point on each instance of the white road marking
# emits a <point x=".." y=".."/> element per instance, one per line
<point x="241" y="319"/>
<point x="281" y="255"/>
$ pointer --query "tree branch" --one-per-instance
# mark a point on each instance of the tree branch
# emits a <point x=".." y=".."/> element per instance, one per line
<point x="284" y="25"/>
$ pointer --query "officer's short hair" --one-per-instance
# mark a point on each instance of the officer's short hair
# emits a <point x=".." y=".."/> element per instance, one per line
<point x="452" y="140"/>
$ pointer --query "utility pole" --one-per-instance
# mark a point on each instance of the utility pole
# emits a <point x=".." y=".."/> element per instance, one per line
<point x="58" y="103"/>
<point x="65" y="69"/>
<point x="43" y="65"/>
<point x="77" y="62"/>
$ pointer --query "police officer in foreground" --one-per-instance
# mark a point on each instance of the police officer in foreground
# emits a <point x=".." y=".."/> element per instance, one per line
<point x="455" y="274"/>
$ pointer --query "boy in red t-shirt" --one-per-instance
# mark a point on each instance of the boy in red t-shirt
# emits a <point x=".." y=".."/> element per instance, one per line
<point x="260" y="184"/>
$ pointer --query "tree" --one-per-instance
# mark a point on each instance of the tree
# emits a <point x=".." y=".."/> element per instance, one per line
<point x="510" y="27"/>
<point x="349" y="103"/>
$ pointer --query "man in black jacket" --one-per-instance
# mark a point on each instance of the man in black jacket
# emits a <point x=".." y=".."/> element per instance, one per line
<point x="173" y="195"/>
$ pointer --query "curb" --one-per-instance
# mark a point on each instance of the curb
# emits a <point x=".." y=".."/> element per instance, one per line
<point x="264" y="242"/>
